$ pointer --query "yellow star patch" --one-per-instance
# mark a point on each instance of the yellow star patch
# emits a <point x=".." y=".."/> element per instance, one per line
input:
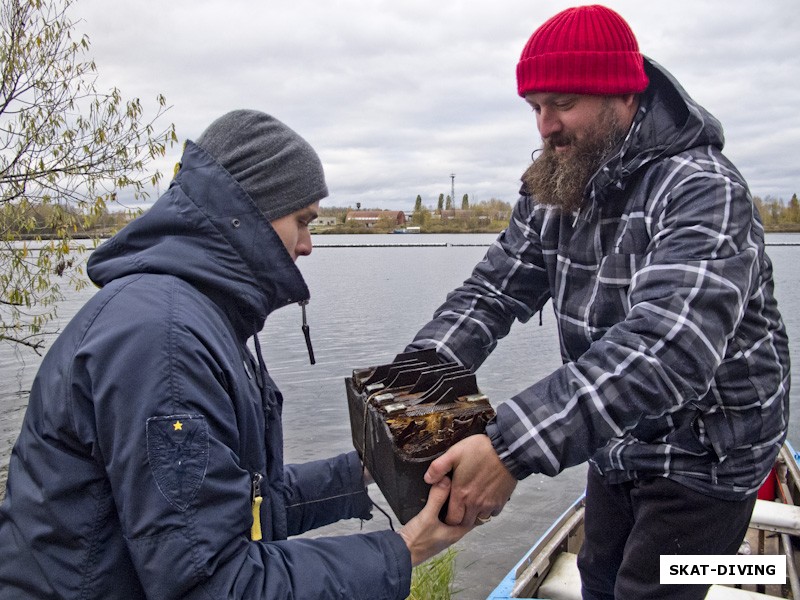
<point x="177" y="426"/>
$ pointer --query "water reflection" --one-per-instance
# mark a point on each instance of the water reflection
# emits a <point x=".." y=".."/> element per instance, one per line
<point x="366" y="305"/>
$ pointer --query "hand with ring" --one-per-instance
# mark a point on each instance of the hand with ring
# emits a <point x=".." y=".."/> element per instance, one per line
<point x="481" y="484"/>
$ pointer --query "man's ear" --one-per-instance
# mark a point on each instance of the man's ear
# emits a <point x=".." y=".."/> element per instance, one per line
<point x="630" y="103"/>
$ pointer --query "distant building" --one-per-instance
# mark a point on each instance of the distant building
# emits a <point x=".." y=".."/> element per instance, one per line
<point x="323" y="222"/>
<point x="456" y="213"/>
<point x="371" y="217"/>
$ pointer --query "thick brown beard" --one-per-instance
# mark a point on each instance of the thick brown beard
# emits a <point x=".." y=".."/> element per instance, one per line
<point x="561" y="181"/>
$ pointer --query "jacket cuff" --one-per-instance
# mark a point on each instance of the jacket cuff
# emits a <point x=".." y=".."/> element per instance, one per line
<point x="361" y="502"/>
<point x="403" y="559"/>
<point x="518" y="470"/>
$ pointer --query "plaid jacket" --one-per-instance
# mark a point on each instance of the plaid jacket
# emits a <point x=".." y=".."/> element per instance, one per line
<point x="676" y="360"/>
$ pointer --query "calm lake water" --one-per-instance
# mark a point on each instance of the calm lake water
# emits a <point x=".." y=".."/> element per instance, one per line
<point x="366" y="305"/>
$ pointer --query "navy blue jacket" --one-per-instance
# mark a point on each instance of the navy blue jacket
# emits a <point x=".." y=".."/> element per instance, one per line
<point x="151" y="428"/>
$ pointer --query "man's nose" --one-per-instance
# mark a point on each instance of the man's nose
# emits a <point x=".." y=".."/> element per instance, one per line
<point x="304" y="244"/>
<point x="548" y="123"/>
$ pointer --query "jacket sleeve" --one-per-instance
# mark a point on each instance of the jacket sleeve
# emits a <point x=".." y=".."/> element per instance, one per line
<point x="687" y="295"/>
<point x="169" y="438"/>
<point x="509" y="283"/>
<point x="325" y="491"/>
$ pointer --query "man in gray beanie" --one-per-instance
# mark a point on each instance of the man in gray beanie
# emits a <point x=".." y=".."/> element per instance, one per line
<point x="150" y="461"/>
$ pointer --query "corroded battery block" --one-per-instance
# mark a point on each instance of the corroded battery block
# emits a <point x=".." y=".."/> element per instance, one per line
<point x="406" y="413"/>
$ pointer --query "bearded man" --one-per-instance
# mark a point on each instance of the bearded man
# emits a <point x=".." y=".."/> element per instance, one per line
<point x="675" y="379"/>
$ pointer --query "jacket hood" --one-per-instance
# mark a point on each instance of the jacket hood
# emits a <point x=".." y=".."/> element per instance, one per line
<point x="207" y="231"/>
<point x="668" y="122"/>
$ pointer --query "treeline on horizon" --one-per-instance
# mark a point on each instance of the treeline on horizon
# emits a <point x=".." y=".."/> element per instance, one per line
<point x="43" y="219"/>
<point x="486" y="216"/>
<point x="777" y="215"/>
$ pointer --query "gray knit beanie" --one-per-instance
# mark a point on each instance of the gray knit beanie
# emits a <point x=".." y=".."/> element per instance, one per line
<point x="277" y="168"/>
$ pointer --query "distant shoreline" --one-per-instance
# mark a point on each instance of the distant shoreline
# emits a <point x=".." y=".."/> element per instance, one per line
<point x="342" y="231"/>
<point x="334" y="231"/>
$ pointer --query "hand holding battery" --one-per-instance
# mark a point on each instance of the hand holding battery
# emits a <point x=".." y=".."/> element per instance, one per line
<point x="481" y="484"/>
<point x="425" y="534"/>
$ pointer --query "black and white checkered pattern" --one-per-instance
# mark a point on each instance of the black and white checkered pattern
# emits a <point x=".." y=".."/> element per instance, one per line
<point x="676" y="361"/>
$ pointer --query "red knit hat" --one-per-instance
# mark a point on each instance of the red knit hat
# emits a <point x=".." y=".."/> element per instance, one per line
<point x="582" y="50"/>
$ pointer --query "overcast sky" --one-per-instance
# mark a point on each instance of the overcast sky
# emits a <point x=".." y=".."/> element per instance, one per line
<point x="397" y="96"/>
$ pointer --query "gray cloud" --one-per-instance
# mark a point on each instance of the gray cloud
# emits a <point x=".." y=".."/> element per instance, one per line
<point x="396" y="96"/>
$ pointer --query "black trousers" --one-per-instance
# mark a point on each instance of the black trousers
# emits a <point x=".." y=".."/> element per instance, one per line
<point x="630" y="525"/>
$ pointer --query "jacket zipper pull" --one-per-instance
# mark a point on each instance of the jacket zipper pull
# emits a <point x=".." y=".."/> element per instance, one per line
<point x="306" y="331"/>
<point x="255" y="529"/>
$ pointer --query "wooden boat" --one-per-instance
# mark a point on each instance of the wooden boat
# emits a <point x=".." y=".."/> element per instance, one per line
<point x="549" y="569"/>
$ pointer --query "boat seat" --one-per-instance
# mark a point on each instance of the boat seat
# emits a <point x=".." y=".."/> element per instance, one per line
<point x="720" y="592"/>
<point x="776" y="516"/>
<point x="563" y="582"/>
